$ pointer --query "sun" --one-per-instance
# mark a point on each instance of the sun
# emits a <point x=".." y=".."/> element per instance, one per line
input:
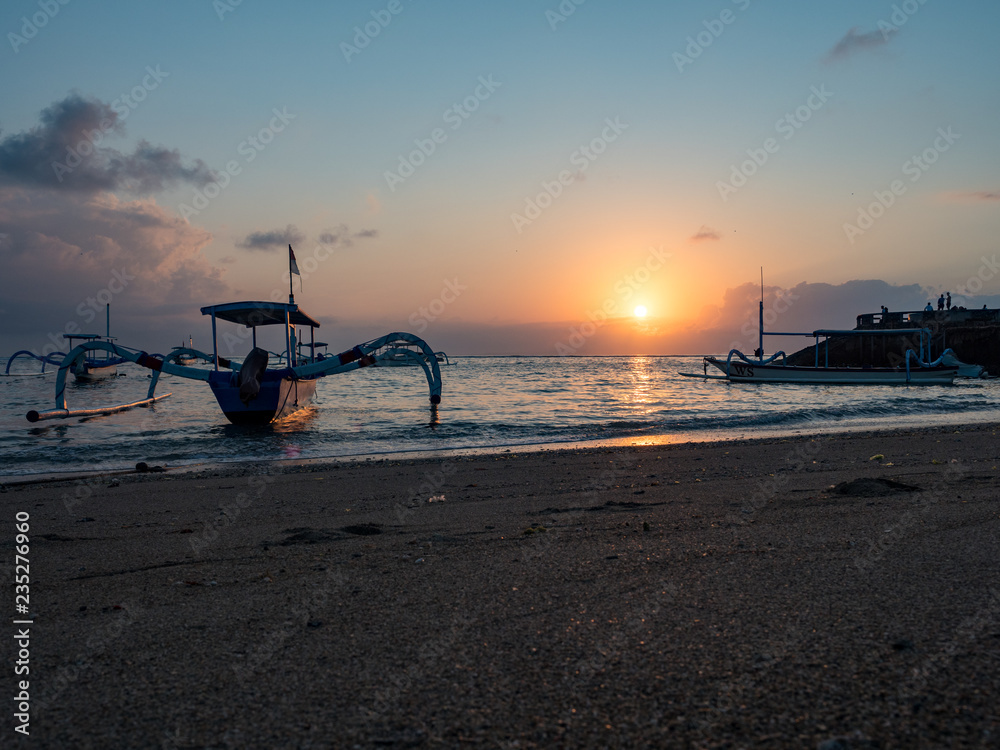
<point x="640" y="311"/>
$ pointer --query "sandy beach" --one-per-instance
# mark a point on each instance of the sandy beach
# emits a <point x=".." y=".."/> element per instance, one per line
<point x="833" y="592"/>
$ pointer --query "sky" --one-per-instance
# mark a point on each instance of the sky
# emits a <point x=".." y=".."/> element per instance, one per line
<point x="499" y="178"/>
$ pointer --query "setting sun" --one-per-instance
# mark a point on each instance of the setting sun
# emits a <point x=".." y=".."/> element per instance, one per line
<point x="640" y="311"/>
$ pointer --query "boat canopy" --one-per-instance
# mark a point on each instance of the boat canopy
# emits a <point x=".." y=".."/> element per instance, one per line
<point x="252" y="314"/>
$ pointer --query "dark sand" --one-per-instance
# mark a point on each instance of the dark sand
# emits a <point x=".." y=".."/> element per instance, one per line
<point x="704" y="595"/>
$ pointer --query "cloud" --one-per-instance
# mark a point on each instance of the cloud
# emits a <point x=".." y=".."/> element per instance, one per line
<point x="71" y="242"/>
<point x="342" y="236"/>
<point x="67" y="254"/>
<point x="802" y="308"/>
<point x="272" y="240"/>
<point x="66" y="152"/>
<point x="706" y="233"/>
<point x="976" y="196"/>
<point x="853" y="42"/>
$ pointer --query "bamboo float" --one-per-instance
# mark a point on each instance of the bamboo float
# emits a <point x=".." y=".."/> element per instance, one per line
<point x="35" y="416"/>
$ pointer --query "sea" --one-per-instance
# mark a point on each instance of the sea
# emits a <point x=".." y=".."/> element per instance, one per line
<point x="489" y="404"/>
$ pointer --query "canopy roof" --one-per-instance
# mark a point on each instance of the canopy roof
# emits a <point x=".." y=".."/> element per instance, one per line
<point x="253" y="314"/>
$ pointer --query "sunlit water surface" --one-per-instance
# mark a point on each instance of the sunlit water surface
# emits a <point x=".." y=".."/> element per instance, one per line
<point x="488" y="403"/>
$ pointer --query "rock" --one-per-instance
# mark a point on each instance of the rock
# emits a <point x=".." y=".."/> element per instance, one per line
<point x="872" y="487"/>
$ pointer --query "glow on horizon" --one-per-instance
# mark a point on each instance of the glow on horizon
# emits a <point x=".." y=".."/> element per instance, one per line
<point x="480" y="113"/>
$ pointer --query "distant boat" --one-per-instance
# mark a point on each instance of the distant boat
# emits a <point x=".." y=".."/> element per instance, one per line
<point x="915" y="370"/>
<point x="965" y="370"/>
<point x="185" y="354"/>
<point x="91" y="368"/>
<point x="402" y="359"/>
<point x="738" y="368"/>
<point x="86" y="366"/>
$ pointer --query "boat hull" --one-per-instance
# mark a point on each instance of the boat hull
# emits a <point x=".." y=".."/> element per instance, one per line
<point x="750" y="372"/>
<point x="87" y="373"/>
<point x="278" y="397"/>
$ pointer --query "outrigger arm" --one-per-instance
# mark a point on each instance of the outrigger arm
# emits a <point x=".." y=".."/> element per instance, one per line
<point x="48" y="359"/>
<point x="383" y="347"/>
<point x="75" y="355"/>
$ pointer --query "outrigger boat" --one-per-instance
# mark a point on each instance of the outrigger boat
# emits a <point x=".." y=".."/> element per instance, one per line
<point x="916" y="369"/>
<point x="738" y="368"/>
<point x="404" y="361"/>
<point x="249" y="392"/>
<point x="86" y="366"/>
<point x="185" y="355"/>
<point x="90" y="368"/>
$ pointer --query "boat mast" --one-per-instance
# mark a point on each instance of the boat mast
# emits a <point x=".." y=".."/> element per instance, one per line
<point x="760" y="326"/>
<point x="293" y="268"/>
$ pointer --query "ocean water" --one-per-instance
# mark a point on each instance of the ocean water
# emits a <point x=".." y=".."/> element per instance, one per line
<point x="490" y="403"/>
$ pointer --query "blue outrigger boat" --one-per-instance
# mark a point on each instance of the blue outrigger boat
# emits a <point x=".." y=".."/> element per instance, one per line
<point x="250" y="392"/>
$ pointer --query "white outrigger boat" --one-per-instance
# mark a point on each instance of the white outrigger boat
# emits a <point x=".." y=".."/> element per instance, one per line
<point x="738" y="368"/>
<point x="90" y="368"/>
<point x="249" y="392"/>
<point x="185" y="354"/>
<point x="915" y="369"/>
<point x="404" y="361"/>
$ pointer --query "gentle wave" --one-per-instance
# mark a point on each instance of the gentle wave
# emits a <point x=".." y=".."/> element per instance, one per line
<point x="489" y="402"/>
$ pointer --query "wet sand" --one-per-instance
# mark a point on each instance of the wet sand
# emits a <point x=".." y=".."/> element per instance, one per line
<point x="700" y="595"/>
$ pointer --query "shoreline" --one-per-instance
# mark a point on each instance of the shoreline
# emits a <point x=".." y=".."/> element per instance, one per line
<point x="237" y="467"/>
